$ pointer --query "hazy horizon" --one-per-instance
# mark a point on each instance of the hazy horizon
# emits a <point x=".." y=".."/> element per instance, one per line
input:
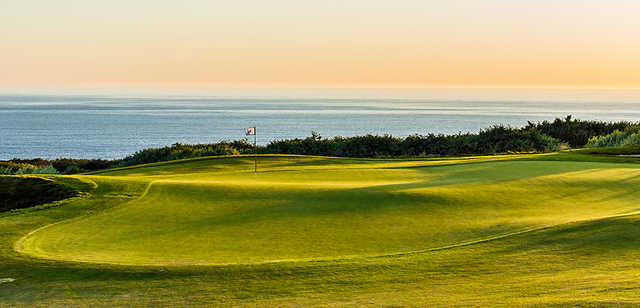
<point x="103" y="123"/>
<point x="470" y="94"/>
<point x="284" y="43"/>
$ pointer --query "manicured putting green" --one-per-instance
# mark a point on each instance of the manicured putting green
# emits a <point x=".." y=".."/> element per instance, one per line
<point x="217" y="211"/>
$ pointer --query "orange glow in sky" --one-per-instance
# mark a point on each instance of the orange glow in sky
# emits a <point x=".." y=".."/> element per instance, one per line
<point x="347" y="43"/>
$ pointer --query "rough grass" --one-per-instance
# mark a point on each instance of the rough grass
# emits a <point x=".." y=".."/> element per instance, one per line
<point x="483" y="231"/>
<point x="617" y="150"/>
<point x="17" y="192"/>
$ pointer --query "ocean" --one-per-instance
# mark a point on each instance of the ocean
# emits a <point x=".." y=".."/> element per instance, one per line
<point x="113" y="123"/>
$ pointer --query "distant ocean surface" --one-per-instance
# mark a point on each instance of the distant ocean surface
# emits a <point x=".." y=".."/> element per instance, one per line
<point x="109" y="124"/>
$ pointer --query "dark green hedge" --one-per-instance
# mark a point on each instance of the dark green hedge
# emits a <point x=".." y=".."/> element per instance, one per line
<point x="21" y="192"/>
<point x="498" y="139"/>
<point x="534" y="137"/>
<point x="577" y="133"/>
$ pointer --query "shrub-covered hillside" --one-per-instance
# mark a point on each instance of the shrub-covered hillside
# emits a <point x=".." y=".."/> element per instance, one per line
<point x="535" y="137"/>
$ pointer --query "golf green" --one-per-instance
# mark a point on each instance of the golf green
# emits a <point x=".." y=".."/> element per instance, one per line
<point x="312" y="209"/>
<point x="557" y="229"/>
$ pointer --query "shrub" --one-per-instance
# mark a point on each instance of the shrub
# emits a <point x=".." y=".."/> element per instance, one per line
<point x="577" y="133"/>
<point x="534" y="137"/>
<point x="180" y="151"/>
<point x="498" y="139"/>
<point x="12" y="167"/>
<point x="632" y="140"/>
<point x="626" y="137"/>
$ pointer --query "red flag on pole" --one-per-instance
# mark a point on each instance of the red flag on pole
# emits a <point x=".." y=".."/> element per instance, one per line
<point x="248" y="132"/>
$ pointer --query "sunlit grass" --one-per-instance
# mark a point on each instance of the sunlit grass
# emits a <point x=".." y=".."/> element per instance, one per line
<point x="499" y="230"/>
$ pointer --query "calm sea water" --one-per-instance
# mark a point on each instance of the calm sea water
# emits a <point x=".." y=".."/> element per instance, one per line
<point x="109" y="124"/>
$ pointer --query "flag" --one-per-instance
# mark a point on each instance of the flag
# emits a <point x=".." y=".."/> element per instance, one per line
<point x="250" y="131"/>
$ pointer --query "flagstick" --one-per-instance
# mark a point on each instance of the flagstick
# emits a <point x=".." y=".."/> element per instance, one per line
<point x="255" y="151"/>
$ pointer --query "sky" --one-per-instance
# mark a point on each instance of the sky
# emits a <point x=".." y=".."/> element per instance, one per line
<point x="298" y="43"/>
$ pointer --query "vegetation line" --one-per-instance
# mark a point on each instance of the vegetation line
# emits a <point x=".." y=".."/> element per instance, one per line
<point x="543" y="137"/>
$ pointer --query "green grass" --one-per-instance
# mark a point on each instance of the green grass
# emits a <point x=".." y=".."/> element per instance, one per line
<point x="620" y="150"/>
<point x="558" y="229"/>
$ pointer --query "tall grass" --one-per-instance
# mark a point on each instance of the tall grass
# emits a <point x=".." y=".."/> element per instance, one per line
<point x="577" y="133"/>
<point x="24" y="168"/>
<point x="627" y="137"/>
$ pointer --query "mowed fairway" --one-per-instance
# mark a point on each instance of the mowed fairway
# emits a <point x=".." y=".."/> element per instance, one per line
<point x="549" y="229"/>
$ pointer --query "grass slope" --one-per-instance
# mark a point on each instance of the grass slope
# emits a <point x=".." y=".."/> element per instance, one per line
<point x="513" y="230"/>
<point x="620" y="150"/>
<point x="17" y="192"/>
